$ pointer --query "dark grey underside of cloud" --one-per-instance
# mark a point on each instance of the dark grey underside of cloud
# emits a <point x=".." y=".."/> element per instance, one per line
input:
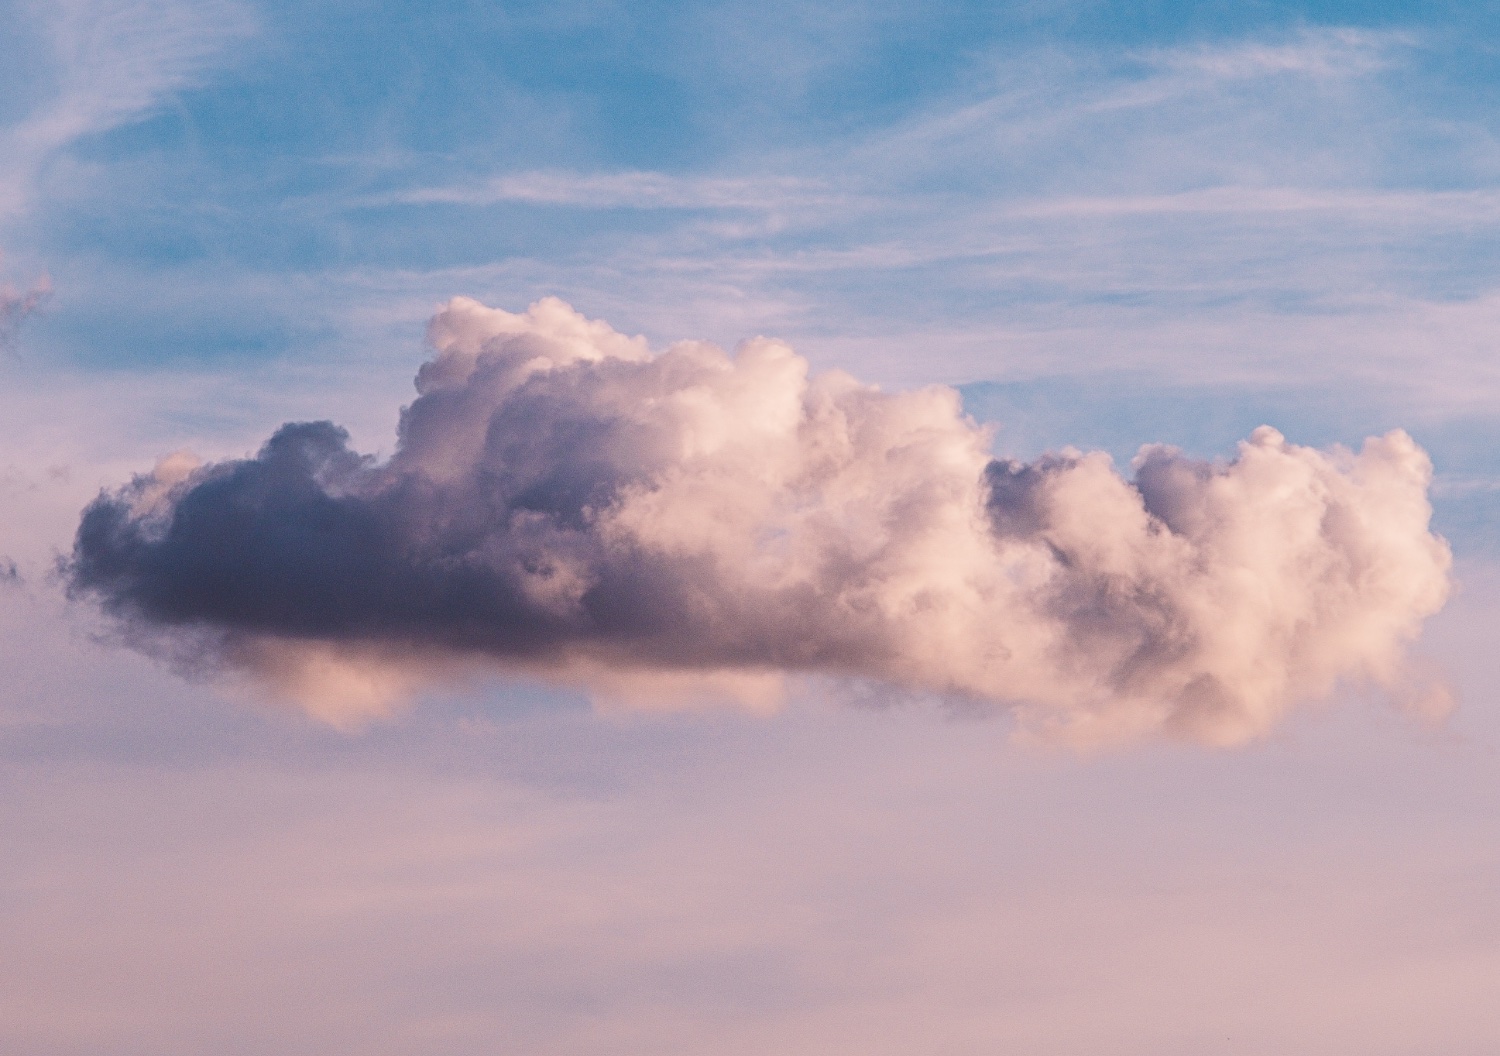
<point x="308" y="539"/>
<point x="565" y="504"/>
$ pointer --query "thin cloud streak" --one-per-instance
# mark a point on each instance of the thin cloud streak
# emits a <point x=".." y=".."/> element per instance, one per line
<point x="1368" y="206"/>
<point x="1328" y="54"/>
<point x="628" y="190"/>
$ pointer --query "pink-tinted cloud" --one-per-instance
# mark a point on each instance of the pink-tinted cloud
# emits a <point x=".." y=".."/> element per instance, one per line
<point x="566" y="504"/>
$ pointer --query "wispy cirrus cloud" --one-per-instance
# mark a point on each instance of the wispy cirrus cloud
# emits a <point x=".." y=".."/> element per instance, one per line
<point x="629" y="190"/>
<point x="1042" y="97"/>
<point x="1374" y="205"/>
<point x="1330" y="52"/>
<point x="961" y="171"/>
<point x="1245" y="186"/>
<point x="112" y="61"/>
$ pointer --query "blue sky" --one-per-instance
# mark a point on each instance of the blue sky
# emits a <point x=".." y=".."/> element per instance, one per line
<point x="1108" y="223"/>
<point x="1231" y="198"/>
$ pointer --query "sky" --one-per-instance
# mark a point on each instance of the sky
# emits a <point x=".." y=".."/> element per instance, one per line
<point x="1041" y="229"/>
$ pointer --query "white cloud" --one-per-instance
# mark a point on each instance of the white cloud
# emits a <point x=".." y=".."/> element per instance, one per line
<point x="567" y="505"/>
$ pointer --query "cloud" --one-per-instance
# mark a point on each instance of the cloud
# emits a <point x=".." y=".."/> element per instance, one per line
<point x="628" y="190"/>
<point x="16" y="306"/>
<point x="1211" y="189"/>
<point x="1322" y="52"/>
<point x="565" y="504"/>
<point x="114" y="61"/>
<point x="1437" y="207"/>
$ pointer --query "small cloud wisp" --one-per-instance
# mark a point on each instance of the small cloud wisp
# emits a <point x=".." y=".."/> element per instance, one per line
<point x="17" y="306"/>
<point x="564" y="504"/>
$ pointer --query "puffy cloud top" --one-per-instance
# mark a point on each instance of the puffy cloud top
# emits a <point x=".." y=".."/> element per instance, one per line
<point x="565" y="504"/>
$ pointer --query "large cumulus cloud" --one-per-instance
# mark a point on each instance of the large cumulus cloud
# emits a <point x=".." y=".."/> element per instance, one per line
<point x="565" y="504"/>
